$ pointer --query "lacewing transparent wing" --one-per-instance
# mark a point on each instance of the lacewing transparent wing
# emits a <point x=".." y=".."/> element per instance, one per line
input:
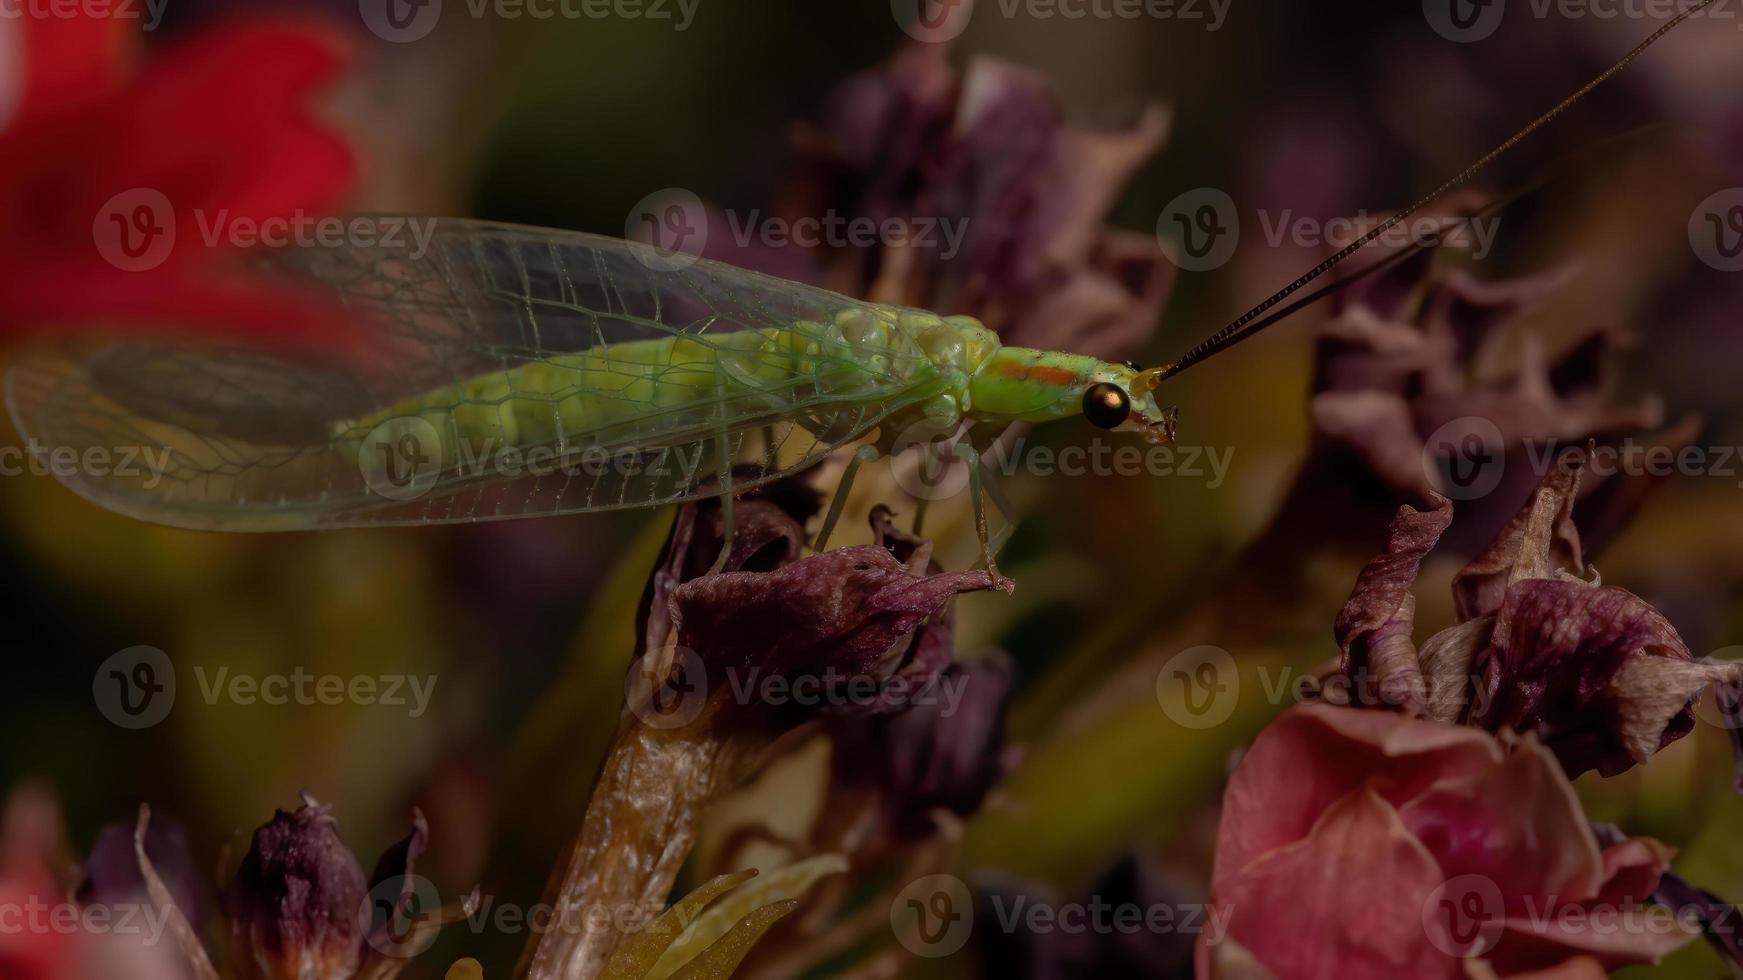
<point x="516" y="372"/>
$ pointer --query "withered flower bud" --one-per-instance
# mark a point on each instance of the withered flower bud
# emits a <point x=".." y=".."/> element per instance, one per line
<point x="293" y="905"/>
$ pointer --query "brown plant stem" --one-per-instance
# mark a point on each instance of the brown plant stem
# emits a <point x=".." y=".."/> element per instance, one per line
<point x="638" y="831"/>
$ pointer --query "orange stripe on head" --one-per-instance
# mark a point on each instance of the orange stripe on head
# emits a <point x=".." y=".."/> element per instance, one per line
<point x="1042" y="373"/>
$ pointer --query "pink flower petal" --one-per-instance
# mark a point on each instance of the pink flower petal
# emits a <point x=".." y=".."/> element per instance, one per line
<point x="1341" y="903"/>
<point x="1314" y="755"/>
<point x="1518" y="824"/>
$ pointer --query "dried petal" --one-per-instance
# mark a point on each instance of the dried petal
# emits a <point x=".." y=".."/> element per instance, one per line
<point x="1399" y="362"/>
<point x="769" y="531"/>
<point x="1556" y="669"/>
<point x="1718" y="918"/>
<point x="850" y="613"/>
<point x="946" y="750"/>
<point x="1539" y="541"/>
<point x="112" y="873"/>
<point x="1449" y="661"/>
<point x="1374" y="626"/>
<point x="1730" y="696"/>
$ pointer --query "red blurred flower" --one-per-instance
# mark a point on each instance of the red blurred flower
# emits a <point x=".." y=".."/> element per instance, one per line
<point x="112" y="180"/>
<point x="30" y="845"/>
<point x="1361" y="844"/>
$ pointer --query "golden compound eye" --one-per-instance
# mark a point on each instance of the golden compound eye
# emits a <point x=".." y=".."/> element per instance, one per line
<point x="1106" y="405"/>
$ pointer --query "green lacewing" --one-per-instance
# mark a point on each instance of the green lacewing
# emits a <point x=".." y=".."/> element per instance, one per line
<point x="537" y="372"/>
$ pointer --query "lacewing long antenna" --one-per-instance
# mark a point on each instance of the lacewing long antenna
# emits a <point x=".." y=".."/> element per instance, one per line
<point x="1249" y="323"/>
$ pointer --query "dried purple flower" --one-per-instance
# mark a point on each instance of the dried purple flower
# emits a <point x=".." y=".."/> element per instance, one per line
<point x="1730" y="695"/>
<point x="855" y="617"/>
<point x="1594" y="671"/>
<point x="710" y="642"/>
<point x="1403" y="359"/>
<point x="988" y="158"/>
<point x="945" y="751"/>
<point x="299" y="907"/>
<point x="293" y="905"/>
<point x="113" y="875"/>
